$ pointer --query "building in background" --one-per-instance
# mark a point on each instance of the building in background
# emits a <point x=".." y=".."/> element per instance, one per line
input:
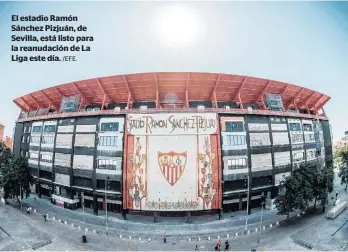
<point x="7" y="140"/>
<point x="170" y="142"/>
<point x="342" y="142"/>
<point x="2" y="130"/>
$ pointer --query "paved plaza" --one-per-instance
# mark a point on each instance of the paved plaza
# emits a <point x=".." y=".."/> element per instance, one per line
<point x="22" y="231"/>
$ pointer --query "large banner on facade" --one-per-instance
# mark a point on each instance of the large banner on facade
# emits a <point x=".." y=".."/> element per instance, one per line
<point x="172" y="162"/>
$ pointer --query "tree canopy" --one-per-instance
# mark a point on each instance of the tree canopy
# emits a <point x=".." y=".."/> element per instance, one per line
<point x="306" y="184"/>
<point x="15" y="178"/>
<point x="342" y="155"/>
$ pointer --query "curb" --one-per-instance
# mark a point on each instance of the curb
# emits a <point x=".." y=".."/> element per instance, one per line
<point x="86" y="229"/>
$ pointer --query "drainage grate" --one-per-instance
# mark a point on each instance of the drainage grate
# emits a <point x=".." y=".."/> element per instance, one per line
<point x="40" y="244"/>
<point x="303" y="244"/>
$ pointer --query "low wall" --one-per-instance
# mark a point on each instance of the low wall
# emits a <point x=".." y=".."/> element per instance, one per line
<point x="334" y="212"/>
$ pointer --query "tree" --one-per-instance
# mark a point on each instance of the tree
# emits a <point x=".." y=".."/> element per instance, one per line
<point x="323" y="184"/>
<point x="286" y="201"/>
<point x="342" y="154"/>
<point x="5" y="155"/>
<point x="303" y="182"/>
<point x="16" y="179"/>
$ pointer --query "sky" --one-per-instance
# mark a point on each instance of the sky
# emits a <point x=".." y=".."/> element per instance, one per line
<point x="302" y="43"/>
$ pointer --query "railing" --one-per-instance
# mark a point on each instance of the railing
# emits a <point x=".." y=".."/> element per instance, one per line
<point x="176" y="110"/>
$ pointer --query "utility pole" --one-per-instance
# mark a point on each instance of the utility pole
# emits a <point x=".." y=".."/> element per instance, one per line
<point x="262" y="203"/>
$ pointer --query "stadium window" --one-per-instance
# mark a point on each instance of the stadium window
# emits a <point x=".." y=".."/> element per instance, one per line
<point x="295" y="127"/>
<point x="109" y="126"/>
<point x="108" y="141"/>
<point x="46" y="158"/>
<point x="35" y="139"/>
<point x="236" y="163"/>
<point x="309" y="137"/>
<point x="299" y="156"/>
<point x="234" y="126"/>
<point x="307" y="127"/>
<point x="236" y="140"/>
<point x="34" y="156"/>
<point x="107" y="164"/>
<point x="37" y="129"/>
<point x="47" y="139"/>
<point x="50" y="128"/>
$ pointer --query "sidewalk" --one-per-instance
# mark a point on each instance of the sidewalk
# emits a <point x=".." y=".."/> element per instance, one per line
<point x="202" y="226"/>
<point x="143" y="226"/>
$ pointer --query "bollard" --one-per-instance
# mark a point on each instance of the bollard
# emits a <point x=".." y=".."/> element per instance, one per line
<point x="72" y="224"/>
<point x="65" y="222"/>
<point x="255" y="229"/>
<point x="228" y="235"/>
<point x="86" y="229"/>
<point x="59" y="220"/>
<point x="53" y="218"/>
<point x="79" y="228"/>
<point x="189" y="239"/>
<point x="236" y="234"/>
<point x="120" y="236"/>
<point x="277" y="223"/>
<point x="199" y="238"/>
<point x="94" y="231"/>
<point x="139" y="238"/>
<point x="149" y="239"/>
<point x="208" y="238"/>
<point x="264" y="228"/>
<point x="218" y="237"/>
<point x="130" y="237"/>
<point x="34" y="210"/>
<point x="248" y="231"/>
<point x="298" y="215"/>
<point x="270" y="225"/>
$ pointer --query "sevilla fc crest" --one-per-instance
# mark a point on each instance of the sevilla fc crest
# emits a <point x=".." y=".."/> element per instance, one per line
<point x="172" y="165"/>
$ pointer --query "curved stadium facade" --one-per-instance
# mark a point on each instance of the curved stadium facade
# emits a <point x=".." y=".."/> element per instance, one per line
<point x="175" y="143"/>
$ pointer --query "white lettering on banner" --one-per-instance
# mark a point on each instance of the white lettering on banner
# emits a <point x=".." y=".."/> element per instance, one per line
<point x="166" y="124"/>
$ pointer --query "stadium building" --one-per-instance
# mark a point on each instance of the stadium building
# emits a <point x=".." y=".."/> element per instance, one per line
<point x="170" y="143"/>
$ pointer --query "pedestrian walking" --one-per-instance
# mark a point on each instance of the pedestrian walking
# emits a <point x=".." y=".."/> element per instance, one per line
<point x="45" y="216"/>
<point x="227" y="246"/>
<point x="165" y="238"/>
<point x="336" y="194"/>
<point x="196" y="249"/>
<point x="34" y="199"/>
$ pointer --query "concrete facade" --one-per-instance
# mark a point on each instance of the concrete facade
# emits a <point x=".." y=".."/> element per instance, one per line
<point x="77" y="161"/>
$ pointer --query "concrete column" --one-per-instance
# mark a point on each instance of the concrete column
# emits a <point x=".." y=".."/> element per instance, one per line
<point x="188" y="214"/>
<point x="95" y="204"/>
<point x="155" y="217"/>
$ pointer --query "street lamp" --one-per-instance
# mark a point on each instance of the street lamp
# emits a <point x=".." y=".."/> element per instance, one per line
<point x="247" y="210"/>
<point x="20" y="197"/>
<point x="83" y="208"/>
<point x="106" y="206"/>
<point x="262" y="203"/>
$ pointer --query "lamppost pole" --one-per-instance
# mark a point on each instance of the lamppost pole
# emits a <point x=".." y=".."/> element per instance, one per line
<point x="20" y="197"/>
<point x="247" y="210"/>
<point x="106" y="207"/>
<point x="262" y="203"/>
<point x="83" y="208"/>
